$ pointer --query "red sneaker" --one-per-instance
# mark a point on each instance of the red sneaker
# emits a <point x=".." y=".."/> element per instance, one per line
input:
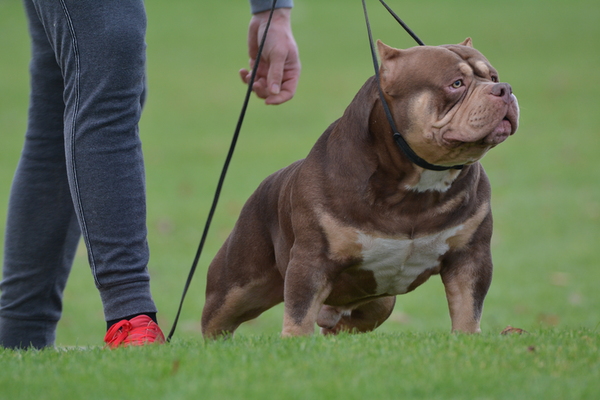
<point x="137" y="331"/>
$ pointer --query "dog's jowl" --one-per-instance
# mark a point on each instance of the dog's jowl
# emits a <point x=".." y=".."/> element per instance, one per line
<point x="338" y="235"/>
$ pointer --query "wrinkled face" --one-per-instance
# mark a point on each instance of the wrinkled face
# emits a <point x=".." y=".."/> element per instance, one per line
<point x="452" y="107"/>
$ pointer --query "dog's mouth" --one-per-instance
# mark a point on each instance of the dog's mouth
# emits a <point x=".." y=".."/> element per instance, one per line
<point x="505" y="128"/>
<point x="500" y="133"/>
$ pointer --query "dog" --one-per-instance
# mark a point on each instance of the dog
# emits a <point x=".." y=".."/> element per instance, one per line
<point x="337" y="235"/>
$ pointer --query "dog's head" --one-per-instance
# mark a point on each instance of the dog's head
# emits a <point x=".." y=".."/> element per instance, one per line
<point x="448" y="101"/>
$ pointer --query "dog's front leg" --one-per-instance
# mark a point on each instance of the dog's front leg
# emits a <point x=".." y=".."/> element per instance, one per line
<point x="306" y="288"/>
<point x="465" y="292"/>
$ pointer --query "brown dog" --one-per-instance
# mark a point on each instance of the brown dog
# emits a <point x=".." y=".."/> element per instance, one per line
<point x="338" y="235"/>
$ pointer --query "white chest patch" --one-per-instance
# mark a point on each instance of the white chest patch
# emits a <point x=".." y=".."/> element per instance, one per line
<point x="439" y="181"/>
<point x="396" y="263"/>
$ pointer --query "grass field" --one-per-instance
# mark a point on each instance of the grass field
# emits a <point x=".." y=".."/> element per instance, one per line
<point x="546" y="203"/>
<point x="542" y="365"/>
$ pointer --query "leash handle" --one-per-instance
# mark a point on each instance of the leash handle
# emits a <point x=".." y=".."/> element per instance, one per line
<point x="400" y="141"/>
<point x="213" y="207"/>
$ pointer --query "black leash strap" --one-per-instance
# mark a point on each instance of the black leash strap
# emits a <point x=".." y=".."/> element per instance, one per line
<point x="400" y="141"/>
<point x="406" y="28"/>
<point x="223" y="173"/>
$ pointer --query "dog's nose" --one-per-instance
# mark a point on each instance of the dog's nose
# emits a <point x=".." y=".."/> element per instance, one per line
<point x="503" y="90"/>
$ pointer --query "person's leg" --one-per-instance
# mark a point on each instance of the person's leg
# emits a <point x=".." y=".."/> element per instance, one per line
<point x="42" y="231"/>
<point x="100" y="48"/>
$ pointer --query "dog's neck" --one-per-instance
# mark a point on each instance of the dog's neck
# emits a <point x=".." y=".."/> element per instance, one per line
<point x="386" y="168"/>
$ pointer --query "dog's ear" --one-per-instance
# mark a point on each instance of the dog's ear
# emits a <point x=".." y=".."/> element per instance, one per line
<point x="468" y="42"/>
<point x="387" y="55"/>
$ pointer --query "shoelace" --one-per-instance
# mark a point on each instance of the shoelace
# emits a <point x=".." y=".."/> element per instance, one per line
<point x="118" y="333"/>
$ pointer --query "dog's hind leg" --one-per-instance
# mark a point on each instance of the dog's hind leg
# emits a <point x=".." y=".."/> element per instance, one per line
<point x="364" y="318"/>
<point x="224" y="312"/>
<point x="233" y="297"/>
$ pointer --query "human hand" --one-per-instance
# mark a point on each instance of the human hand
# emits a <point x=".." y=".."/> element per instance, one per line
<point x="279" y="67"/>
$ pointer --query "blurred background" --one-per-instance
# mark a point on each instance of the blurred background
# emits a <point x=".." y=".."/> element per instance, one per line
<point x="546" y="183"/>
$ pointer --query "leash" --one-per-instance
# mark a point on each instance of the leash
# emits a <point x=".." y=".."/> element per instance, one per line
<point x="406" y="28"/>
<point x="400" y="141"/>
<point x="223" y="173"/>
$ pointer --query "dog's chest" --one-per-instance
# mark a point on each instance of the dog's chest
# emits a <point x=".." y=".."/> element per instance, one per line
<point x="396" y="263"/>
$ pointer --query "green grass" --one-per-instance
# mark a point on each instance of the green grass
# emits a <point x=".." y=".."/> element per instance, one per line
<point x="545" y="364"/>
<point x="546" y="203"/>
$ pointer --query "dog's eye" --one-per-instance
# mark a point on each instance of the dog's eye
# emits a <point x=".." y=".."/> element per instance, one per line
<point x="458" y="83"/>
<point x="494" y="78"/>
